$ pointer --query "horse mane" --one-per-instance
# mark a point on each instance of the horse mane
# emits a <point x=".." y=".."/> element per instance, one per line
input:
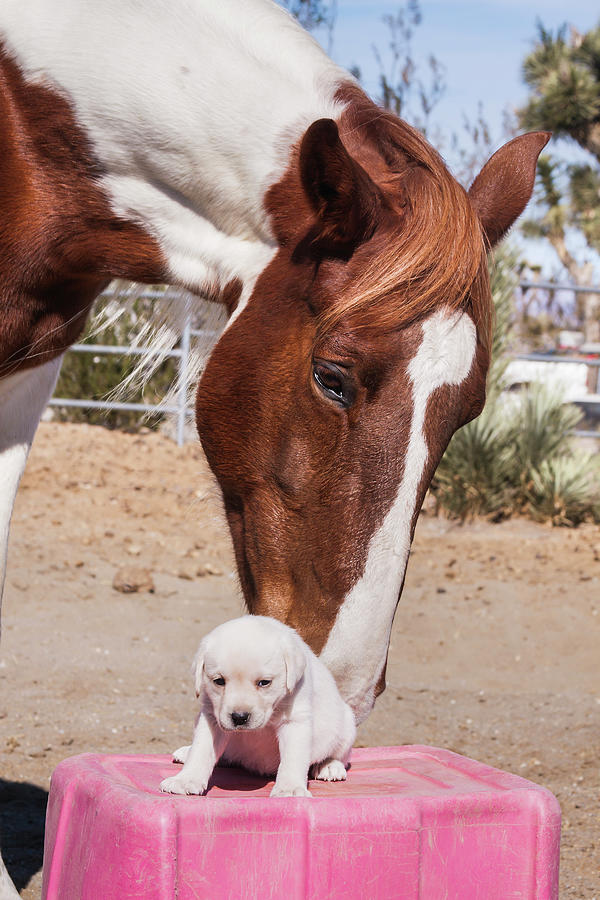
<point x="435" y="256"/>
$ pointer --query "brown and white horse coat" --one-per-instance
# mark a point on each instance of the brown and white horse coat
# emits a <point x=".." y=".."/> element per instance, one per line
<point x="216" y="147"/>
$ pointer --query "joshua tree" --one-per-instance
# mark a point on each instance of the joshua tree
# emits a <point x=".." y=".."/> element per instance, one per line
<point x="563" y="74"/>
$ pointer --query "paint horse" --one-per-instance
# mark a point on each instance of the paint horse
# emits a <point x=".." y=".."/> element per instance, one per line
<point x="216" y="147"/>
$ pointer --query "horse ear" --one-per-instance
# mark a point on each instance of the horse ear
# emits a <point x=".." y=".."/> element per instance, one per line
<point x="339" y="191"/>
<point x="502" y="189"/>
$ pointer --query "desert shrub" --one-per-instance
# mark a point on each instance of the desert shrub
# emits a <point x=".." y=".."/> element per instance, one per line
<point x="473" y="478"/>
<point x="564" y="490"/>
<point x="518" y="456"/>
<point x="543" y="425"/>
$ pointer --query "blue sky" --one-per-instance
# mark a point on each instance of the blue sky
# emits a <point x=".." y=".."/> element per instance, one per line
<point x="481" y="43"/>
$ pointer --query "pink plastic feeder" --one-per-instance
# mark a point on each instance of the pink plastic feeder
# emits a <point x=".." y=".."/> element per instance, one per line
<point x="410" y="822"/>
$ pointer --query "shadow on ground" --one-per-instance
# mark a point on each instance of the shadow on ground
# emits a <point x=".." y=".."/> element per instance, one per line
<point x="22" y="818"/>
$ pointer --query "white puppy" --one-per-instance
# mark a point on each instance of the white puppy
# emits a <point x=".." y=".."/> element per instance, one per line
<point x="269" y="705"/>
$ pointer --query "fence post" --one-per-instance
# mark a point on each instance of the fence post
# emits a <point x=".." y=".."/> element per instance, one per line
<point x="182" y="378"/>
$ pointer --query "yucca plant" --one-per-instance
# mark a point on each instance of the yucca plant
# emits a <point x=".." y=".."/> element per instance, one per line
<point x="518" y="455"/>
<point x="564" y="490"/>
<point x="503" y="282"/>
<point x="543" y="426"/>
<point x="556" y="481"/>
<point x="474" y="477"/>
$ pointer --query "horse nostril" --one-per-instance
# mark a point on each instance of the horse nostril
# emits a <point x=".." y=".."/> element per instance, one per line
<point x="240" y="718"/>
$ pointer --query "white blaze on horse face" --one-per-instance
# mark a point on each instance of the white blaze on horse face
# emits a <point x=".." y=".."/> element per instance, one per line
<point x="177" y="114"/>
<point x="357" y="645"/>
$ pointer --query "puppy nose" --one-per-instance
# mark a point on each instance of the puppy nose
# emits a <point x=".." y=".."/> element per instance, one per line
<point x="240" y="718"/>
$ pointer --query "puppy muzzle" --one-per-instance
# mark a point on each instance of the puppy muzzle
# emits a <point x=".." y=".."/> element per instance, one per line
<point x="241" y="720"/>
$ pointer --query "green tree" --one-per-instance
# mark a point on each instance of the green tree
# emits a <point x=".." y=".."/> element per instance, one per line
<point x="563" y="75"/>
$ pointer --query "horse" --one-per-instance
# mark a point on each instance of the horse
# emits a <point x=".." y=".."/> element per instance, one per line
<point x="216" y="147"/>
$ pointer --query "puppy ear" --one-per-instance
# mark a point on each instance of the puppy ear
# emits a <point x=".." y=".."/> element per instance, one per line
<point x="198" y="666"/>
<point x="294" y="658"/>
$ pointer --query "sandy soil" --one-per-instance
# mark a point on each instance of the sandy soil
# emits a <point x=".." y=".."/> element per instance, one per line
<point x="495" y="651"/>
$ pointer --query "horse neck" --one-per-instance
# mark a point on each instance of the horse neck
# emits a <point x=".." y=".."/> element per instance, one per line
<point x="191" y="109"/>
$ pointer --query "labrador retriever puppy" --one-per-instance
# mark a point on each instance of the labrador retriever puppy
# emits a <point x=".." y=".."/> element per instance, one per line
<point x="268" y="704"/>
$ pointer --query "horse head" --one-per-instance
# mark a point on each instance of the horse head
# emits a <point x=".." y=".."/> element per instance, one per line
<point x="331" y="397"/>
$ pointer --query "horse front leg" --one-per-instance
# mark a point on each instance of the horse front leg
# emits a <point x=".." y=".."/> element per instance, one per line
<point x="23" y="397"/>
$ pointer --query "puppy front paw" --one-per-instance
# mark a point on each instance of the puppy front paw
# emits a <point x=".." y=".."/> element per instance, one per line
<point x="290" y="791"/>
<point x="330" y="770"/>
<point x="180" y="755"/>
<point x="180" y="784"/>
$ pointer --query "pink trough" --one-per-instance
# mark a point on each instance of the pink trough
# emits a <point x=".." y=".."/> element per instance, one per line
<point x="413" y="822"/>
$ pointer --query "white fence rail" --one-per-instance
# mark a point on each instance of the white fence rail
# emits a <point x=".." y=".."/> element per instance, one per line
<point x="181" y="411"/>
<point x="567" y="374"/>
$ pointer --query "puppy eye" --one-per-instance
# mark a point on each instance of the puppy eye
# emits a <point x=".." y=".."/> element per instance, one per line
<point x="220" y="681"/>
<point x="264" y="682"/>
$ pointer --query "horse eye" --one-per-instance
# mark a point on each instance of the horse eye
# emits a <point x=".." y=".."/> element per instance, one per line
<point x="264" y="682"/>
<point x="333" y="382"/>
<point x="220" y="681"/>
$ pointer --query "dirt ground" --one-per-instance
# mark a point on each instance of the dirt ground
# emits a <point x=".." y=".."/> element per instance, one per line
<point x="495" y="652"/>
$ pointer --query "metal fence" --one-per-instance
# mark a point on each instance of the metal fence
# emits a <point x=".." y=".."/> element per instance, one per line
<point x="592" y="400"/>
<point x="180" y="409"/>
